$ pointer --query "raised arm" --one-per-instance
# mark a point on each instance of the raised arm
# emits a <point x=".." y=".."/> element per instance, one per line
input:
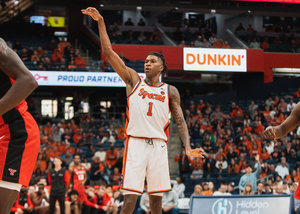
<point x="288" y="125"/>
<point x="12" y="66"/>
<point x="181" y="124"/>
<point x="128" y="75"/>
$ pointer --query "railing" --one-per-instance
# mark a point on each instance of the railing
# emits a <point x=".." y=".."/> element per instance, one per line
<point x="13" y="9"/>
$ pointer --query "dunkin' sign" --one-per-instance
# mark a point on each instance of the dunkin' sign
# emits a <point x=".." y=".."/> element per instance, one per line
<point x="214" y="59"/>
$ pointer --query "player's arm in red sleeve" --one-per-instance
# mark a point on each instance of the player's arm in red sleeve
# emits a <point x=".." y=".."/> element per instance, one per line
<point x="89" y="203"/>
<point x="128" y="75"/>
<point x="181" y="124"/>
<point x="49" y="179"/>
<point x="67" y="178"/>
<point x="12" y="66"/>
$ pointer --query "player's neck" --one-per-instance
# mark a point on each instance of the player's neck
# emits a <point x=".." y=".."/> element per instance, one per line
<point x="77" y="165"/>
<point x="57" y="168"/>
<point x="154" y="81"/>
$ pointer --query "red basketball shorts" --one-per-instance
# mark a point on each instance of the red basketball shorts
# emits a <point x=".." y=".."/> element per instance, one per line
<point x="19" y="148"/>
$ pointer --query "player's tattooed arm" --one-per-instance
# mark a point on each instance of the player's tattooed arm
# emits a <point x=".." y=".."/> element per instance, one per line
<point x="178" y="116"/>
<point x="181" y="124"/>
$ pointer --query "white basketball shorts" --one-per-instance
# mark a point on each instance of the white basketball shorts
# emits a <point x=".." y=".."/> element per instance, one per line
<point x="142" y="159"/>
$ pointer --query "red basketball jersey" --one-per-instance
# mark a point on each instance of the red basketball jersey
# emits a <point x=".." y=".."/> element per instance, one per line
<point x="78" y="177"/>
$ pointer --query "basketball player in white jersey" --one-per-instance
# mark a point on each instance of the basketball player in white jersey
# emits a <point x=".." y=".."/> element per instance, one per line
<point x="148" y="101"/>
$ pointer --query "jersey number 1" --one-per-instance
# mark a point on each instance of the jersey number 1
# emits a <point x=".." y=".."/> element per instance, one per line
<point x="149" y="113"/>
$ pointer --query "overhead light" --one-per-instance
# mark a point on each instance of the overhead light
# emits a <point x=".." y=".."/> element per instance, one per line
<point x="138" y="8"/>
<point x="213" y="11"/>
<point x="249" y="11"/>
<point x="176" y="8"/>
<point x="287" y="70"/>
<point x="101" y="5"/>
<point x="16" y="2"/>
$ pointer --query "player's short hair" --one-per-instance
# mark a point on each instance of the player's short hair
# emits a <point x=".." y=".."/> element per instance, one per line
<point x="73" y="192"/>
<point x="77" y="154"/>
<point x="161" y="56"/>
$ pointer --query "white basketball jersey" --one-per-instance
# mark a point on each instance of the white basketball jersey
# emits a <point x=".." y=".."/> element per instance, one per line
<point x="148" y="111"/>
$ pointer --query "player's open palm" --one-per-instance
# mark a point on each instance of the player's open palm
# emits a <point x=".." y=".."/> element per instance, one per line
<point x="270" y="132"/>
<point x="198" y="152"/>
<point x="93" y="12"/>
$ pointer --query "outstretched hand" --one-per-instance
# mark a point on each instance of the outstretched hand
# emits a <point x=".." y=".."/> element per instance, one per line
<point x="93" y="12"/>
<point x="270" y="132"/>
<point x="198" y="152"/>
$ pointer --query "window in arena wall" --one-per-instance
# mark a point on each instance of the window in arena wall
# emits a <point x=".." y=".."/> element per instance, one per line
<point x="85" y="106"/>
<point x="69" y="110"/>
<point x="49" y="107"/>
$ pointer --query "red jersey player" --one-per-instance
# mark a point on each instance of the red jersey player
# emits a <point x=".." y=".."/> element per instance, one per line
<point x="19" y="133"/>
<point x="78" y="178"/>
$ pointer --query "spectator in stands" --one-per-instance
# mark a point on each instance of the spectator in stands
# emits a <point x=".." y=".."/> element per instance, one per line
<point x="282" y="105"/>
<point x="290" y="106"/>
<point x="240" y="28"/>
<point x="100" y="153"/>
<point x="111" y="158"/>
<point x="252" y="107"/>
<point x="279" y="190"/>
<point x="248" y="190"/>
<point x="282" y="169"/>
<point x="115" y="177"/>
<point x="188" y="35"/>
<point x="206" y="43"/>
<point x="212" y="39"/>
<point x="211" y="189"/>
<point x="197" y="172"/>
<point x="24" y="55"/>
<point x="155" y="36"/>
<point x="141" y="23"/>
<point x="226" y="45"/>
<point x="265" y="45"/>
<point x="97" y="171"/>
<point x="79" y="61"/>
<point x="254" y="44"/>
<point x="182" y="44"/>
<point x="144" y="204"/>
<point x="141" y="37"/>
<point x="198" y="190"/>
<point x="198" y="42"/>
<point x="108" y="138"/>
<point x="63" y="65"/>
<point x="56" y="56"/>
<point x="51" y="45"/>
<point x="35" y="57"/>
<point x="63" y="44"/>
<point x="250" y="28"/>
<point x="231" y="189"/>
<point x="183" y="161"/>
<point x="223" y="162"/>
<point x="170" y="203"/>
<point x="84" y="141"/>
<point x="77" y="136"/>
<point x="260" y="189"/>
<point x="129" y="22"/>
<point x="222" y="190"/>
<point x="178" y="186"/>
<point x="250" y="177"/>
<point x="17" y="45"/>
<point x="30" y="51"/>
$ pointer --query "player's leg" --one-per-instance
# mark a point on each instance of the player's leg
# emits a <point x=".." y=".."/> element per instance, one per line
<point x="129" y="203"/>
<point x="80" y="205"/>
<point x="134" y="171"/>
<point x="155" y="203"/>
<point x="61" y="200"/>
<point x="158" y="176"/>
<point x="7" y="197"/>
<point x="52" y="202"/>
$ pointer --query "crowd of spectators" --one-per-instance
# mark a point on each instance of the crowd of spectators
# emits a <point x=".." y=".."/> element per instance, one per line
<point x="288" y="41"/>
<point x="236" y="151"/>
<point x="54" y="56"/>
